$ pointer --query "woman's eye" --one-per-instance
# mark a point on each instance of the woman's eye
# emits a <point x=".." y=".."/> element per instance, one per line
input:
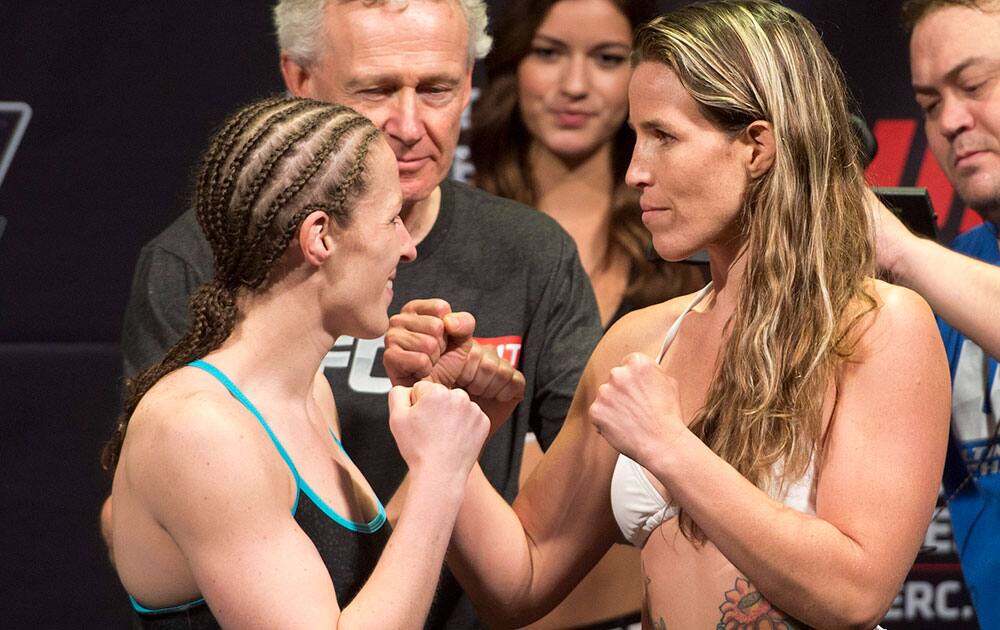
<point x="545" y="53"/>
<point x="610" y="60"/>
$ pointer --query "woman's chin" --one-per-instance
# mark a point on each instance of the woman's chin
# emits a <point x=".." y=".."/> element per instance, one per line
<point x="372" y="328"/>
<point x="674" y="253"/>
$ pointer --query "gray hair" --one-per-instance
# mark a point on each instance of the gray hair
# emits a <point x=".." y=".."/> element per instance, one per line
<point x="299" y="25"/>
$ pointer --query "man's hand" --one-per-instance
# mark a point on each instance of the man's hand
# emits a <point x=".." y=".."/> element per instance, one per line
<point x="892" y="238"/>
<point x="428" y="342"/>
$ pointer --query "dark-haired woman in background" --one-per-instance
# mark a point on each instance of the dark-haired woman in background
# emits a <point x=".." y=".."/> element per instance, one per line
<point x="549" y="130"/>
<point x="234" y="502"/>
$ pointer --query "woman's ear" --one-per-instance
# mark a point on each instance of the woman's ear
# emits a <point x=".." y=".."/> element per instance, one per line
<point x="316" y="240"/>
<point x="759" y="136"/>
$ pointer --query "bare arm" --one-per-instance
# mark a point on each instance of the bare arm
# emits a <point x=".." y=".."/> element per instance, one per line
<point x="881" y="468"/>
<point x="250" y="560"/>
<point x="517" y="564"/>
<point x="962" y="290"/>
<point x="106" y="529"/>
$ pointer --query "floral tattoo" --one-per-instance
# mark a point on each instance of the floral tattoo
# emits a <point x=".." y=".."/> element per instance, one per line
<point x="745" y="608"/>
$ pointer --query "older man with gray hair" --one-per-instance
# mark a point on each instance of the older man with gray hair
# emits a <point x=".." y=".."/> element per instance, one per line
<point x="408" y="67"/>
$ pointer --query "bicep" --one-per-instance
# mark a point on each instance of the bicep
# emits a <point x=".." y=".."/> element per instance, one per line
<point x="884" y="449"/>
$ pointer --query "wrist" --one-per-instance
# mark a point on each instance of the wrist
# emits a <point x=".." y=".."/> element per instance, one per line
<point x="909" y="251"/>
<point x="666" y="460"/>
<point x="443" y="482"/>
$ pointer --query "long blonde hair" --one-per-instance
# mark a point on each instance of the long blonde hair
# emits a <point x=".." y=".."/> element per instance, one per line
<point x="807" y="234"/>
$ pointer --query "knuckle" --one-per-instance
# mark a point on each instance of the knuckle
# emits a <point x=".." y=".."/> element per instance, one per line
<point x="422" y="364"/>
<point x="435" y="326"/>
<point x="427" y="345"/>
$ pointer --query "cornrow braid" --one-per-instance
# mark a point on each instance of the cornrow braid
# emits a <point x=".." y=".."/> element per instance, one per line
<point x="217" y="156"/>
<point x="335" y="208"/>
<point x="232" y="127"/>
<point x="221" y="196"/>
<point x="287" y="194"/>
<point x="271" y="164"/>
<point x="235" y="170"/>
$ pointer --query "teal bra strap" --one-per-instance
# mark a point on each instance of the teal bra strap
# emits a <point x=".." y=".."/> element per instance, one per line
<point x="238" y="395"/>
<point x="364" y="528"/>
<point x="139" y="608"/>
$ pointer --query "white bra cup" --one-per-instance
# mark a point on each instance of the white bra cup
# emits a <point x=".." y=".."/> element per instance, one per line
<point x="639" y="508"/>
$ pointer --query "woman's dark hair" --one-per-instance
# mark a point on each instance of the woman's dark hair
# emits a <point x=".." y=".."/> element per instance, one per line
<point x="270" y="165"/>
<point x="499" y="143"/>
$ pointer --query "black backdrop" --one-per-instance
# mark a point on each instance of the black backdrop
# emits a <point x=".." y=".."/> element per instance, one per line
<point x="123" y="95"/>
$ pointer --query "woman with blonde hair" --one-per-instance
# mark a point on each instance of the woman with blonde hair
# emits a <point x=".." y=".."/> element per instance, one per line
<point x="772" y="444"/>
<point x="234" y="502"/>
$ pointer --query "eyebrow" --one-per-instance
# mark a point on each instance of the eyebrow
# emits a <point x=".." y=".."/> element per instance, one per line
<point x="391" y="79"/>
<point x="952" y="75"/>
<point x="652" y="123"/>
<point x="555" y="40"/>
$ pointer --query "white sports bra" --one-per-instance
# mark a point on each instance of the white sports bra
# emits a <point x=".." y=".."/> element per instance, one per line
<point x="637" y="505"/>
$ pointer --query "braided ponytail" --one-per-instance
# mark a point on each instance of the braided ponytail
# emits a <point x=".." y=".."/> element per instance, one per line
<point x="270" y="165"/>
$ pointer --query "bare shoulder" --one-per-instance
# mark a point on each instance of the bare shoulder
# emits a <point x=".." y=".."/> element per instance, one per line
<point x="900" y="316"/>
<point x="900" y="301"/>
<point x="186" y="429"/>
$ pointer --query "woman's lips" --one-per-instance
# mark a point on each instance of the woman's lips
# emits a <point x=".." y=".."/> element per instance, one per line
<point x="572" y="119"/>
<point x="650" y="214"/>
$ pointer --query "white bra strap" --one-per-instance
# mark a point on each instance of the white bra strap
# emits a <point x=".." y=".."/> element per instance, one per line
<point x="672" y="331"/>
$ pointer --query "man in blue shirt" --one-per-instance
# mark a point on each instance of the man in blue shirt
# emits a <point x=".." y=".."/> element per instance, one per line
<point x="955" y="70"/>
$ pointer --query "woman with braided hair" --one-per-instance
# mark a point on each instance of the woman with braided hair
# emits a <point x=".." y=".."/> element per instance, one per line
<point x="234" y="501"/>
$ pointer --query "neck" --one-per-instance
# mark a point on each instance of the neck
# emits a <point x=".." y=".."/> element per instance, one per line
<point x="577" y="194"/>
<point x="279" y="342"/>
<point x="727" y="263"/>
<point x="419" y="216"/>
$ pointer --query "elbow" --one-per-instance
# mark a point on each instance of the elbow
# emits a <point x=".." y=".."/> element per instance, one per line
<point x="514" y="612"/>
<point x="869" y="615"/>
<point x="505" y="620"/>
<point x="864" y="610"/>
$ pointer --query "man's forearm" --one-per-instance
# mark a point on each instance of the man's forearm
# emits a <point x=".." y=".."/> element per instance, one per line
<point x="964" y="291"/>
